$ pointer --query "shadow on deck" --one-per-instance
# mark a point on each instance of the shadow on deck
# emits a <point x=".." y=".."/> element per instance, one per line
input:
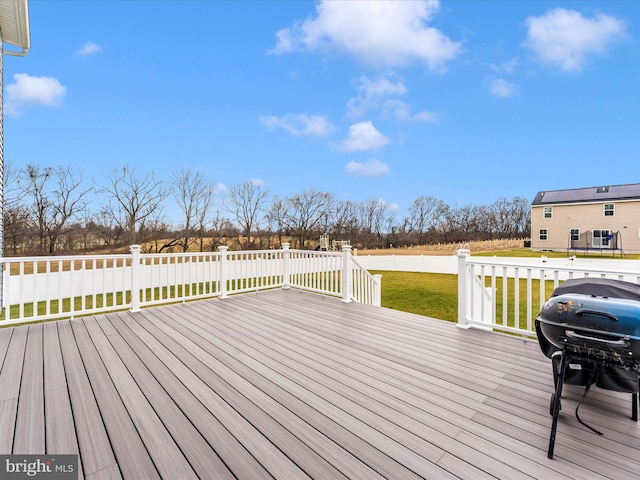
<point x="290" y="385"/>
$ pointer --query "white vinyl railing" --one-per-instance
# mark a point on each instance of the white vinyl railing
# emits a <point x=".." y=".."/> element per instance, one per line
<point x="43" y="288"/>
<point x="493" y="293"/>
<point x="507" y="295"/>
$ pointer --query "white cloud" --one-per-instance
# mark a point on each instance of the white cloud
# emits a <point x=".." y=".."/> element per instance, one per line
<point x="402" y="111"/>
<point x="371" y="92"/>
<point x="374" y="32"/>
<point x="370" y="168"/>
<point x="258" y="182"/>
<point x="501" y="88"/>
<point x="220" y="189"/>
<point x="566" y="39"/>
<point x="363" y="136"/>
<point x="27" y="90"/>
<point x="393" y="207"/>
<point x="300" y="125"/>
<point x="506" y="67"/>
<point x="89" y="49"/>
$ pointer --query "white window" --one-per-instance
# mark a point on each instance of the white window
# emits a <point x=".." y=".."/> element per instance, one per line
<point x="575" y="234"/>
<point x="548" y="212"/>
<point x="609" y="209"/>
<point x="543" y="234"/>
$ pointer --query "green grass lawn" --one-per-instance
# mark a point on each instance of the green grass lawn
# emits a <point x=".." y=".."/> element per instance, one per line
<point x="429" y="294"/>
<point x="436" y="295"/>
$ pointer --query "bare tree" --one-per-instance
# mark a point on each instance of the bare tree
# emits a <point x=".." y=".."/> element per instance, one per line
<point x="13" y="191"/>
<point x="158" y="233"/>
<point x="71" y="202"/>
<point x="16" y="227"/>
<point x="277" y="217"/>
<point x="484" y="224"/>
<point x="15" y="213"/>
<point x="133" y="199"/>
<point x="106" y="228"/>
<point x="221" y="228"/>
<point x="193" y="192"/>
<point x="520" y="217"/>
<point x="375" y="217"/>
<point x="344" y="220"/>
<point x="424" y="215"/>
<point x="246" y="202"/>
<point x="39" y="192"/>
<point x="57" y="198"/>
<point x="306" y="210"/>
<point x="462" y="223"/>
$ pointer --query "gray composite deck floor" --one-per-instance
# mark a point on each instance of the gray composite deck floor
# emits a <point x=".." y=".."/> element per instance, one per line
<point x="284" y="384"/>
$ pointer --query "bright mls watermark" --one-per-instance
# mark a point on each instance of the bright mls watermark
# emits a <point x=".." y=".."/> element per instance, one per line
<point x="49" y="467"/>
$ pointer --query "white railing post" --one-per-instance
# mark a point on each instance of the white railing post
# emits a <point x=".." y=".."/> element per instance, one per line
<point x="223" y="270"/>
<point x="346" y="273"/>
<point x="136" y="273"/>
<point x="463" y="254"/>
<point x="377" y="290"/>
<point x="286" y="256"/>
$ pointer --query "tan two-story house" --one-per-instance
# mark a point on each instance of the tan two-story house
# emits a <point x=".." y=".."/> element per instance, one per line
<point x="605" y="218"/>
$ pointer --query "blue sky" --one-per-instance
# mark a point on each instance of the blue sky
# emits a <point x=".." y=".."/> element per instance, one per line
<point x="466" y="101"/>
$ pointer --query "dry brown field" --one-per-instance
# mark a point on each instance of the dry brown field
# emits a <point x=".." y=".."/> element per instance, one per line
<point x="482" y="246"/>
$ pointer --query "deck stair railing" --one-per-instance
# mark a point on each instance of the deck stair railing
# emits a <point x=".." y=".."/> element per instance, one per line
<point x="43" y="288"/>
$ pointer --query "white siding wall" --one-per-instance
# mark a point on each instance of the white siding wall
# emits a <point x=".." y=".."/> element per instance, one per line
<point x="586" y="216"/>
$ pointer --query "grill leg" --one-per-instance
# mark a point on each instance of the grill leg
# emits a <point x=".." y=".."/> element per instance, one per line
<point x="556" y="403"/>
<point x="634" y="407"/>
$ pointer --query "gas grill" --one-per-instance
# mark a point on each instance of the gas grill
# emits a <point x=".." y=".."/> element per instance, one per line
<point x="590" y="328"/>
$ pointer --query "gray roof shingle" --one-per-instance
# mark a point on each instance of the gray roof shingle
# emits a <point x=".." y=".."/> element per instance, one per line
<point x="589" y="194"/>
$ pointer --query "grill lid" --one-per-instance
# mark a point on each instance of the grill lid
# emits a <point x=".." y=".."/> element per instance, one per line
<point x="600" y="287"/>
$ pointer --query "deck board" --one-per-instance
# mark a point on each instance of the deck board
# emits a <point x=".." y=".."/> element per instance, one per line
<point x="59" y="423"/>
<point x="438" y="424"/>
<point x="30" y="436"/>
<point x="158" y="442"/>
<point x="182" y="430"/>
<point x="279" y="386"/>
<point x="428" y="435"/>
<point x="5" y="338"/>
<point x="10" y="377"/>
<point x="265" y="418"/>
<point x="285" y="384"/>
<point x="191" y="394"/>
<point x="132" y="456"/>
<point x="96" y="454"/>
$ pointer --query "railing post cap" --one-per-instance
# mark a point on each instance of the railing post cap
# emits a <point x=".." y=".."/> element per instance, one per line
<point x="285" y="246"/>
<point x="463" y="252"/>
<point x="223" y="248"/>
<point x="134" y="248"/>
<point x="346" y="248"/>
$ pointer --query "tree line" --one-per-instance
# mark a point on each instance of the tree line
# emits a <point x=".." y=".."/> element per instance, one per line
<point x="51" y="210"/>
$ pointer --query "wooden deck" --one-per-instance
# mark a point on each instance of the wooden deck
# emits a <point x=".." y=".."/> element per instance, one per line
<point x="288" y="385"/>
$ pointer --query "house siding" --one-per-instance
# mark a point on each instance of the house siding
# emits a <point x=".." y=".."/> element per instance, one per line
<point x="586" y="216"/>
